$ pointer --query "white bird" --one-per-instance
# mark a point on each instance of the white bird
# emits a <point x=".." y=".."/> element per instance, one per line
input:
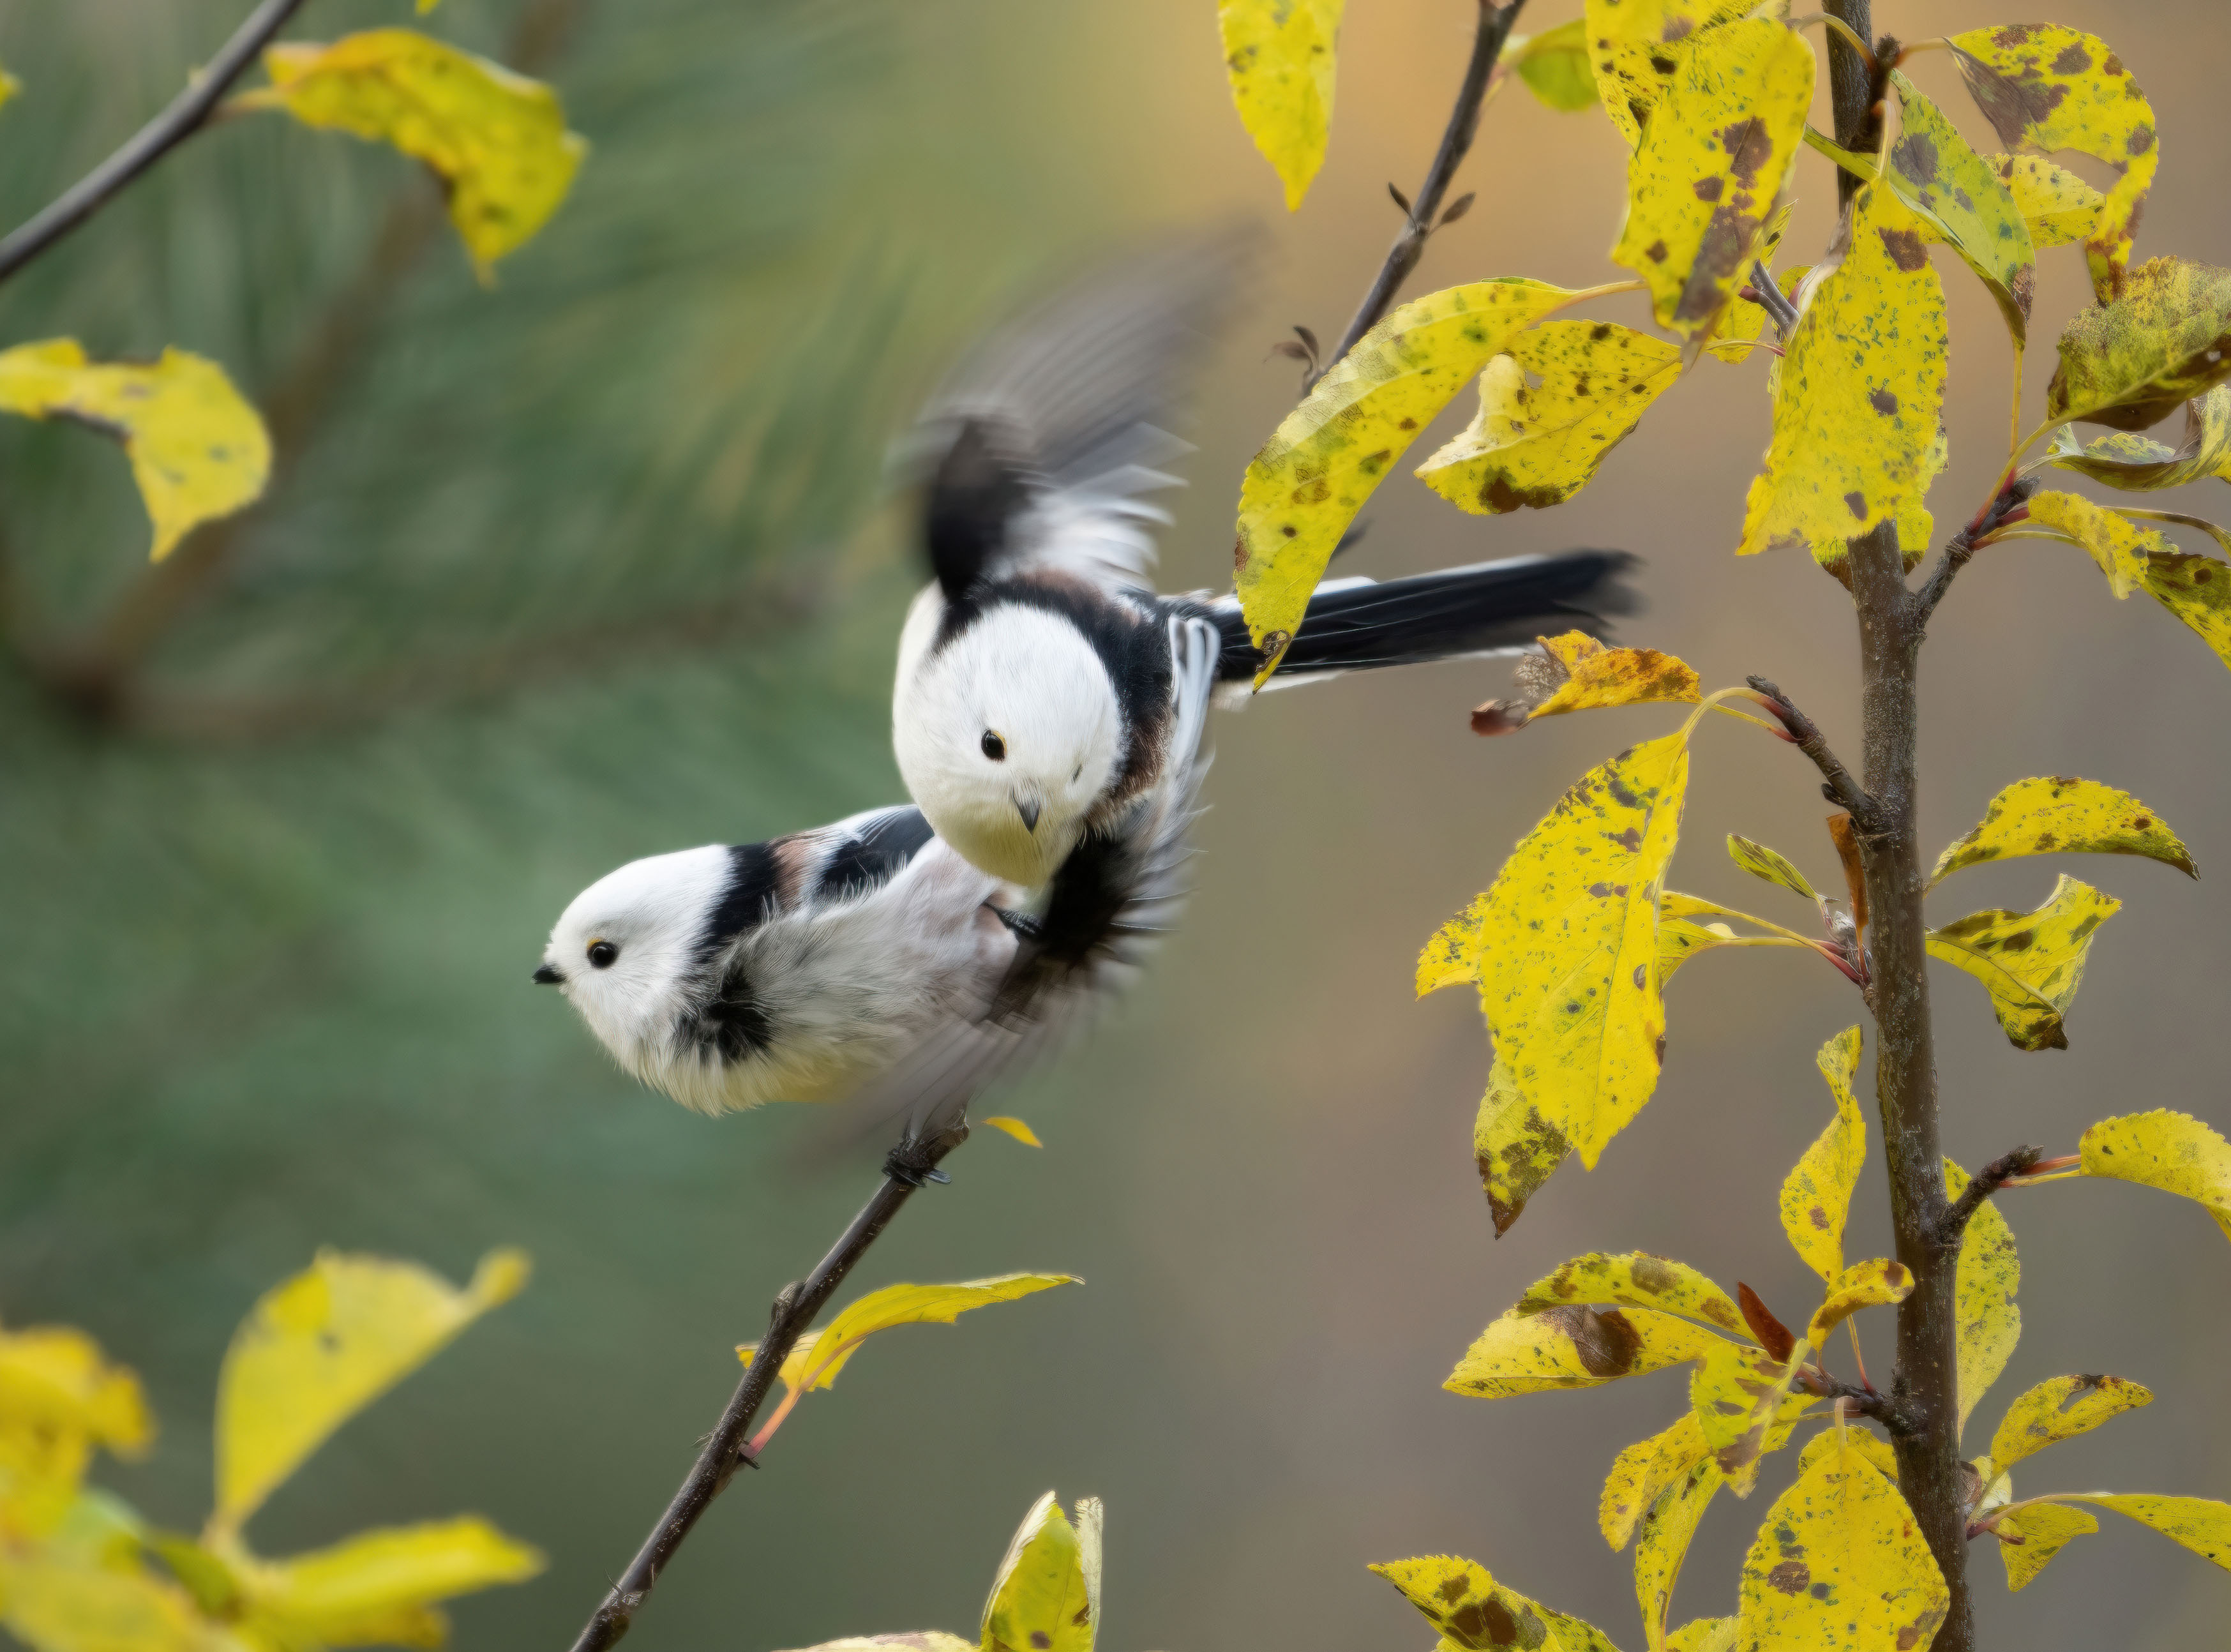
<point x="868" y="960"/>
<point x="1029" y="707"/>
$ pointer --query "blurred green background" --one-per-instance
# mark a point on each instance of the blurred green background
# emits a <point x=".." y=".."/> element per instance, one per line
<point x="596" y="565"/>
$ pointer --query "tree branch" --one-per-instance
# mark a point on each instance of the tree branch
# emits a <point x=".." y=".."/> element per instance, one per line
<point x="1495" y="17"/>
<point x="1860" y="1402"/>
<point x="795" y="1307"/>
<point x="1840" y="787"/>
<point x="1988" y="1181"/>
<point x="186" y="116"/>
<point x="2004" y="508"/>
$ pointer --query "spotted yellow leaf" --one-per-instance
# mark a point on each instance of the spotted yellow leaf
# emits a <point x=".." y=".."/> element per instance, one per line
<point x="1762" y="862"/>
<point x="1816" y="1196"/>
<point x="2031" y="1537"/>
<point x="497" y="139"/>
<point x="2045" y="86"/>
<point x="1635" y="49"/>
<point x="2138" y="463"/>
<point x="1554" y="65"/>
<point x="1862" y="1284"/>
<point x="2130" y="362"/>
<point x="2059" y="814"/>
<point x="2058" y="206"/>
<point x="1516" y="1149"/>
<point x="318" y="1348"/>
<point x="1875" y="1449"/>
<point x="2061" y="1409"/>
<point x="1839" y="1565"/>
<point x="1304" y="488"/>
<point x="2172" y="1152"/>
<point x="1565" y="395"/>
<point x="1859" y="400"/>
<point x="1474" y="1612"/>
<point x="59" y="1399"/>
<point x="1643" y="1471"/>
<point x="1575" y="1347"/>
<point x="2120" y="547"/>
<point x="2200" y="1524"/>
<point x="1965" y="201"/>
<point x="2198" y="590"/>
<point x="1281" y="57"/>
<point x="1014" y="1127"/>
<point x="1575" y="672"/>
<point x="1635" y="1279"/>
<point x="1708" y="173"/>
<point x="2030" y="962"/>
<point x="1745" y="1404"/>
<point x="1046" y="1594"/>
<point x="1662" y="1543"/>
<point x="819" y="1355"/>
<point x="380" y="1586"/>
<point x="198" y="450"/>
<point x="1985" y="1282"/>
<point x="1705" y="1634"/>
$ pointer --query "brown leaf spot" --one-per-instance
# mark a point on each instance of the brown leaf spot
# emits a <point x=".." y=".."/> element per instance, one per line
<point x="2073" y="60"/>
<point x="1453" y="1587"/>
<point x="1502" y="1627"/>
<point x="1883" y="402"/>
<point x="1856" y="503"/>
<point x="1791" y="1577"/>
<point x="1599" y="332"/>
<point x="1818" y="1217"/>
<point x="1905" y="248"/>
<point x="1641" y="974"/>
<point x="1914" y="156"/>
<point x="1041" y="1640"/>
<point x="1708" y="189"/>
<point x="2140" y="140"/>
<point x="1605" y="1344"/>
<point x="1630" y="839"/>
<point x="1655" y="252"/>
<point x="1408" y="424"/>
<point x="1749" y="147"/>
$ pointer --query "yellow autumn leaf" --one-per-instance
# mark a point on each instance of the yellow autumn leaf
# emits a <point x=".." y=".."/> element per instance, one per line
<point x="821" y="1355"/>
<point x="1762" y="862"/>
<point x="1744" y="1404"/>
<point x="2045" y="86"/>
<point x="1575" y="672"/>
<point x="2058" y="206"/>
<point x="497" y="139"/>
<point x="2121" y="547"/>
<point x="1635" y="49"/>
<point x="1304" y="488"/>
<point x="1550" y="409"/>
<point x="2030" y="1539"/>
<point x="2163" y="340"/>
<point x="2061" y="1409"/>
<point x="2200" y="1524"/>
<point x="1574" y="1347"/>
<point x="1642" y="1472"/>
<point x="59" y="1399"/>
<point x="1872" y="1284"/>
<point x="1569" y="941"/>
<point x="317" y="1349"/>
<point x="1554" y="65"/>
<point x="1839" y="1565"/>
<point x="1635" y="1279"/>
<point x="58" y="1602"/>
<point x="2138" y="463"/>
<point x="2172" y="1152"/>
<point x="915" y="1640"/>
<point x="198" y="450"/>
<point x="1662" y="1542"/>
<point x="2030" y="962"/>
<point x="2198" y="590"/>
<point x="1707" y="175"/>
<point x="1859" y="396"/>
<point x="1679" y="941"/>
<point x="2059" y="814"/>
<point x="1014" y="1127"/>
<point x="1705" y="1634"/>
<point x="1040" y="1600"/>
<point x="1516" y="1148"/>
<point x="9" y="87"/>
<point x="1875" y="1449"/>
<point x="1985" y="1282"/>
<point x="1816" y="1196"/>
<point x="372" y="1588"/>
<point x="1281" y="57"/>
<point x="1473" y="1611"/>
<point x="1965" y="202"/>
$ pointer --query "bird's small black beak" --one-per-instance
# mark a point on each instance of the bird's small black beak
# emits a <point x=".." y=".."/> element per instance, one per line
<point x="546" y="975"/>
<point x="1029" y="813"/>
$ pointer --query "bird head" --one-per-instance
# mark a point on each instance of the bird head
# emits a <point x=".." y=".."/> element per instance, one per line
<point x="1007" y="734"/>
<point x="625" y="952"/>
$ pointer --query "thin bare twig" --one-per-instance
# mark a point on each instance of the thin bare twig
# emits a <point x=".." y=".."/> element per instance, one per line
<point x="1495" y="17"/>
<point x="2006" y="506"/>
<point x="1988" y="1181"/>
<point x="1860" y="1402"/>
<point x="722" y="1454"/>
<point x="1840" y="787"/>
<point x="186" y="115"/>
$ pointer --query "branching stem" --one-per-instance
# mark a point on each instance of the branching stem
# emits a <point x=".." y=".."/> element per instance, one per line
<point x="1839" y="787"/>
<point x="1988" y="1181"/>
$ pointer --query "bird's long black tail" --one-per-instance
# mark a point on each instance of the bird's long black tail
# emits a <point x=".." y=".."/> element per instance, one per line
<point x="1488" y="608"/>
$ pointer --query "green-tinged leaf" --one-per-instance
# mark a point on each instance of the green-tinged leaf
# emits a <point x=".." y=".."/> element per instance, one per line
<point x="497" y="139"/>
<point x="2119" y="547"/>
<point x="2058" y="206"/>
<point x="914" y="1641"/>
<point x="2045" y="86"/>
<point x="2198" y="590"/>
<point x="1707" y="175"/>
<point x="2138" y="463"/>
<point x="1860" y="395"/>
<point x="198" y="449"/>
<point x="1871" y="1446"/>
<point x="1575" y="672"/>
<point x="56" y="1603"/>
<point x="2027" y="1540"/>
<point x="2200" y="1524"/>
<point x="1474" y="1612"/>
<point x="1635" y="49"/>
<point x="1635" y="1279"/>
<point x="371" y="1589"/>
<point x="1662" y="1542"/>
<point x="1281" y="57"/>
<point x="2215" y="531"/>
<point x="1643" y="1471"/>
<point x="1568" y="937"/>
<point x="2061" y="1409"/>
<point x="1516" y="1149"/>
<point x="1304" y="488"/>
<point x="2132" y="362"/>
<point x="1965" y="201"/>
<point x="1743" y="1402"/>
<point x="1762" y="862"/>
<point x="2172" y="1152"/>
<point x="1985" y="1284"/>
<point x="1816" y="1197"/>
<point x="1564" y="396"/>
<point x="318" y="1348"/>
<point x="1554" y="65"/>
<point x="1839" y="1565"/>
<point x="1532" y="1353"/>
<point x="1039" y="1601"/>
<point x="1679" y="941"/>
<point x="1862" y="1284"/>
<point x="820" y="1355"/>
<point x="2059" y="814"/>
<point x="1705" y="1634"/>
<point x="2030" y="962"/>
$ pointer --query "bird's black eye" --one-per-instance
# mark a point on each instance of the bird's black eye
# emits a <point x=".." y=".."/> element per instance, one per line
<point x="603" y="954"/>
<point x="994" y="748"/>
